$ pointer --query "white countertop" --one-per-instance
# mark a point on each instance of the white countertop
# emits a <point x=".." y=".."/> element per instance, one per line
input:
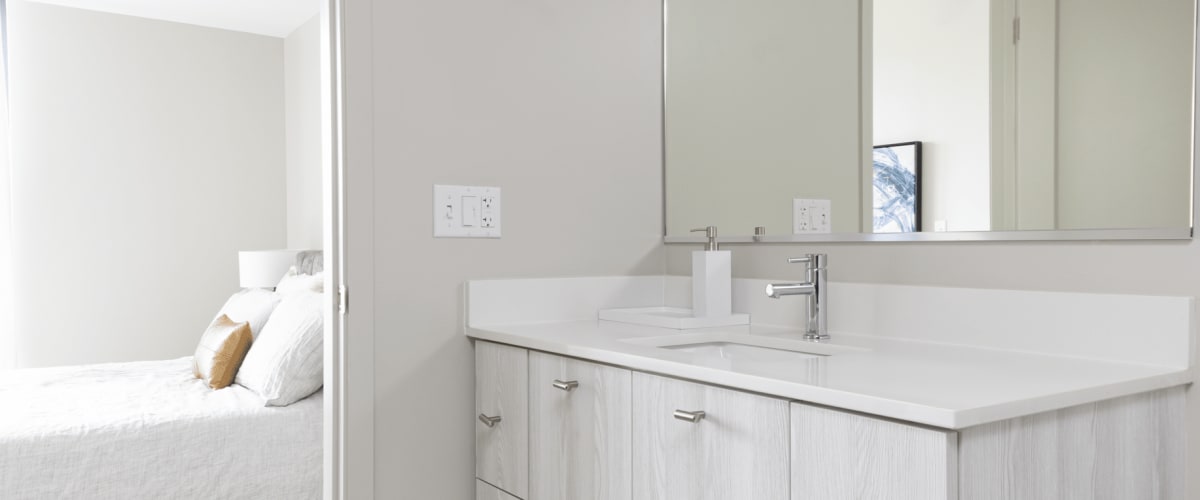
<point x="942" y="385"/>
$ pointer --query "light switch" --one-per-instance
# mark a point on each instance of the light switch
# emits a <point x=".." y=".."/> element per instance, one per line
<point x="470" y="211"/>
<point x="466" y="211"/>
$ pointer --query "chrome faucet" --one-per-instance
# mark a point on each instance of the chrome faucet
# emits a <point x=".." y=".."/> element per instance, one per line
<point x="814" y="288"/>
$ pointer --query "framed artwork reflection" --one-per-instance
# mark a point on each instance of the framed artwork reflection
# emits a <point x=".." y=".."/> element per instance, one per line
<point x="897" y="188"/>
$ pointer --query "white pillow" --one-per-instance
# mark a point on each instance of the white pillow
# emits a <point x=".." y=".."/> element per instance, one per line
<point x="292" y="282"/>
<point x="252" y="305"/>
<point x="286" y="362"/>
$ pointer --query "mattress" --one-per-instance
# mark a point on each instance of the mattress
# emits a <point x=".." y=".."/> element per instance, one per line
<point x="151" y="430"/>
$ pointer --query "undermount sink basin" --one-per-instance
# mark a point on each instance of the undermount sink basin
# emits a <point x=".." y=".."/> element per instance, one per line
<point x="735" y="351"/>
<point x="743" y="351"/>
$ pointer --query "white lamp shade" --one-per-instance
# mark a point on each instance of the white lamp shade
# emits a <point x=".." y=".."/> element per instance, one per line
<point x="264" y="268"/>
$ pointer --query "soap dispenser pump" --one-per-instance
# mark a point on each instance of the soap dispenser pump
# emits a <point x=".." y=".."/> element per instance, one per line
<point x="712" y="278"/>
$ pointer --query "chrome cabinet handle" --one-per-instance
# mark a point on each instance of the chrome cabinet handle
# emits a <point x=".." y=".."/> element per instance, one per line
<point x="489" y="421"/>
<point x="568" y="385"/>
<point x="689" y="416"/>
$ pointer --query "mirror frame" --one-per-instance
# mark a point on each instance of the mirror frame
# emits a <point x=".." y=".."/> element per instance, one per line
<point x="865" y="16"/>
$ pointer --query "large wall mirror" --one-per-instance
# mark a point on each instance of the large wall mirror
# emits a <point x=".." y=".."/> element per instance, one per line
<point x="929" y="119"/>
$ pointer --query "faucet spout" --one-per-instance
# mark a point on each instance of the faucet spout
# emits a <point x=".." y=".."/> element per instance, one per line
<point x="817" y="329"/>
<point x="777" y="290"/>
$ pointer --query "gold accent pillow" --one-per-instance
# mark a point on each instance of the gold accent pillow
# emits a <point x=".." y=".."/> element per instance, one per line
<point x="221" y="350"/>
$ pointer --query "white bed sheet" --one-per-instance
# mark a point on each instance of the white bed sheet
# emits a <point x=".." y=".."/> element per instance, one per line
<point x="151" y="430"/>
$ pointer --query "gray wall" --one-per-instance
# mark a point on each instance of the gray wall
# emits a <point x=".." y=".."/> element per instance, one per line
<point x="763" y="103"/>
<point x="145" y="155"/>
<point x="302" y="98"/>
<point x="1140" y="135"/>
<point x="555" y="102"/>
<point x="538" y="95"/>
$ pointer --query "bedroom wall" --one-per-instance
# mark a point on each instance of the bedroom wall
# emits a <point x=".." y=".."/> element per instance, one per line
<point x="528" y="96"/>
<point x="945" y="103"/>
<point x="145" y="155"/>
<point x="302" y="106"/>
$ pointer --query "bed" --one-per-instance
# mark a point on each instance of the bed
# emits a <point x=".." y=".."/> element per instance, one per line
<point x="241" y="419"/>
<point x="151" y="430"/>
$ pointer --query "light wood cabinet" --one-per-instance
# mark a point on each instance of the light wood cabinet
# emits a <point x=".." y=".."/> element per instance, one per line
<point x="502" y="423"/>
<point x="836" y="454"/>
<point x="1124" y="448"/>
<point x="737" y="449"/>
<point x="579" y="429"/>
<point x="573" y="429"/>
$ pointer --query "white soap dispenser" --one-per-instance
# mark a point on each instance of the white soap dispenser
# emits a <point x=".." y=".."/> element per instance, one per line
<point x="712" y="279"/>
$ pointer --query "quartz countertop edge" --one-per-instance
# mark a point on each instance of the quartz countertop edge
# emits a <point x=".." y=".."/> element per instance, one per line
<point x="1005" y="391"/>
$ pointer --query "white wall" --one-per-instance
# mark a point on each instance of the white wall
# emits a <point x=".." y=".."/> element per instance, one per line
<point x="931" y="84"/>
<point x="753" y="126"/>
<point x="528" y="96"/>
<point x="302" y="98"/>
<point x="145" y="155"/>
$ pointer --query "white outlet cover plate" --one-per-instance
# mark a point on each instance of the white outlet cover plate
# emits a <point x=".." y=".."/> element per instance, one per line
<point x="454" y="207"/>
<point x="812" y="216"/>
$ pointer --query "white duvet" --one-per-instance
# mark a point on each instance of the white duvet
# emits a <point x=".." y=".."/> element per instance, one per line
<point x="151" y="430"/>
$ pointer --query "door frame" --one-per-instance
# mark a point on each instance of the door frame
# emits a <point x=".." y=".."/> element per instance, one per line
<point x="349" y="412"/>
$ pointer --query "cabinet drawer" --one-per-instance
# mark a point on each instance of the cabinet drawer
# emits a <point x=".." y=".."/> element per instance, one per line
<point x="502" y="420"/>
<point x="484" y="491"/>
<point x="737" y="449"/>
<point x="580" y="436"/>
<point x="836" y="454"/>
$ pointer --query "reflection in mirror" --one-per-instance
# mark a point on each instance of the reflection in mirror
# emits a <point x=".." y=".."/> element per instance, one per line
<point x="1032" y="114"/>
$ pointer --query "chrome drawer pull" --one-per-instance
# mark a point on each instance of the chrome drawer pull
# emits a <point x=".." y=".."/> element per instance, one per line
<point x="689" y="416"/>
<point x="568" y="386"/>
<point x="489" y="421"/>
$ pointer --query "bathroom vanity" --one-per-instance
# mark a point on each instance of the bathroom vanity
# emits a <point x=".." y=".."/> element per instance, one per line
<point x="900" y="404"/>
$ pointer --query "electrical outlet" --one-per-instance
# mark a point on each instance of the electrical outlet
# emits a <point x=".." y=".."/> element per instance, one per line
<point x="466" y="212"/>
<point x="811" y="216"/>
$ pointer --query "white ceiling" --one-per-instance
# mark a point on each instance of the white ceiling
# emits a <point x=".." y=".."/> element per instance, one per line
<point x="264" y="17"/>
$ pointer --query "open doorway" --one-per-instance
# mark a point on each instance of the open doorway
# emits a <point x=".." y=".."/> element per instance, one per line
<point x="151" y="143"/>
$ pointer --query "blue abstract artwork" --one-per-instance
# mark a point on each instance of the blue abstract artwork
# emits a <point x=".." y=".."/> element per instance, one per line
<point x="897" y="188"/>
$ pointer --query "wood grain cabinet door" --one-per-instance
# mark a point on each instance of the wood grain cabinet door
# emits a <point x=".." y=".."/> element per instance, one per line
<point x="837" y="454"/>
<point x="1116" y="449"/>
<point x="502" y="420"/>
<point x="737" y="449"/>
<point x="579" y="429"/>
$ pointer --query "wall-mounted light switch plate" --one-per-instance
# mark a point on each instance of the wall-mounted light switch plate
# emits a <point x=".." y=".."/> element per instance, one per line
<point x="811" y="216"/>
<point x="466" y="211"/>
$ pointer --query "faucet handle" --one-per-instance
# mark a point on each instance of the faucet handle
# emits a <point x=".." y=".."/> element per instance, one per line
<point x="814" y="260"/>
